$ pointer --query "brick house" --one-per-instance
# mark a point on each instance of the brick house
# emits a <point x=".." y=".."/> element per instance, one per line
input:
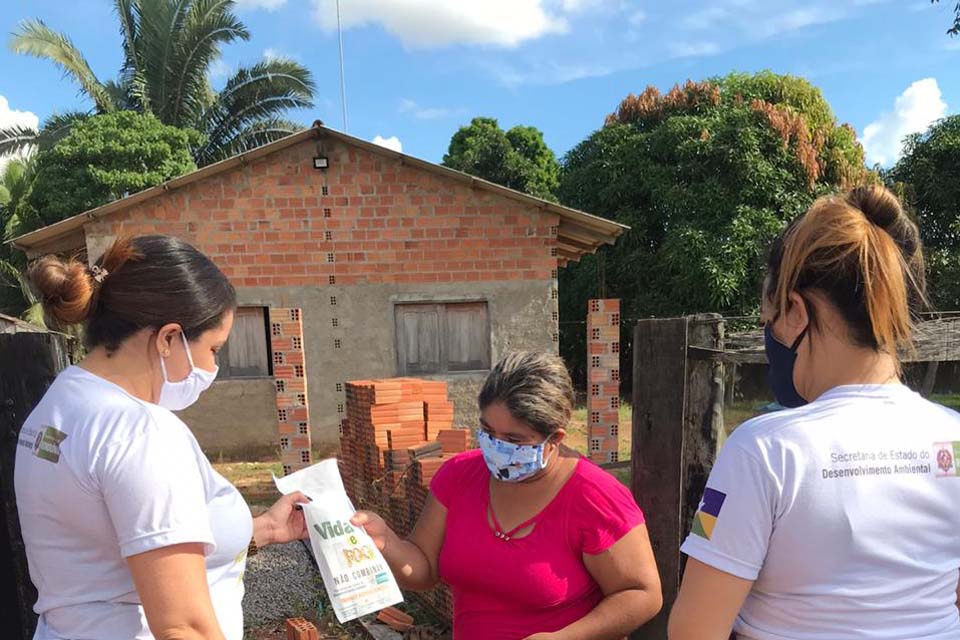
<point x="385" y="264"/>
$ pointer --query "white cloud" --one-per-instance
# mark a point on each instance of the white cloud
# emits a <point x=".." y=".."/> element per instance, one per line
<point x="705" y="18"/>
<point x="798" y="19"/>
<point x="424" y="24"/>
<point x="393" y="142"/>
<point x="694" y="49"/>
<point x="755" y="19"/>
<point x="270" y="54"/>
<point x="571" y="6"/>
<point x="636" y="18"/>
<point x="269" y="5"/>
<point x="10" y="117"/>
<point x="420" y="112"/>
<point x="913" y="111"/>
<point x="541" y="72"/>
<point x="219" y="70"/>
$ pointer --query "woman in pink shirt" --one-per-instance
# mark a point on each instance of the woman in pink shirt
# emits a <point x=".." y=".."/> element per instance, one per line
<point x="535" y="542"/>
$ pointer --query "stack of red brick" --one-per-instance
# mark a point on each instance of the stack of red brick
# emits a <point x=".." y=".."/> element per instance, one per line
<point x="396" y="435"/>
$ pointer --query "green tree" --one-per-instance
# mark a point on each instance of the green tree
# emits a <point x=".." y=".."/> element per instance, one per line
<point x="518" y="158"/>
<point x="168" y="49"/>
<point x="16" y="183"/>
<point x="928" y="177"/>
<point x="705" y="175"/>
<point x="103" y="158"/>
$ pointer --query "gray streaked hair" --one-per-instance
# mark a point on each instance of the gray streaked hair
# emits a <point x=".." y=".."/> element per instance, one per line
<point x="535" y="387"/>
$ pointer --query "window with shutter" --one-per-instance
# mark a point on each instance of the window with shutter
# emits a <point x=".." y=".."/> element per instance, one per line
<point x="245" y="354"/>
<point x="442" y="338"/>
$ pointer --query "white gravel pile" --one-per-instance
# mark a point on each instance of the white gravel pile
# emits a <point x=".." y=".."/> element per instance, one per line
<point x="281" y="582"/>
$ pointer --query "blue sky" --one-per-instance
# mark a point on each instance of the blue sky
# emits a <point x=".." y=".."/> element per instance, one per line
<point x="417" y="69"/>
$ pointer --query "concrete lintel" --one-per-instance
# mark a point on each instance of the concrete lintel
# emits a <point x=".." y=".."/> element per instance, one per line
<point x="405" y="298"/>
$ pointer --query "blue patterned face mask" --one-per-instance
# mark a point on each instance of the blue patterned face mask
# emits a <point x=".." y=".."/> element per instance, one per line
<point x="510" y="462"/>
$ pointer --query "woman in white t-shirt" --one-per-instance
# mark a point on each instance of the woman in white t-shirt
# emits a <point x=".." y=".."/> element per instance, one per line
<point x="129" y="531"/>
<point x="837" y="518"/>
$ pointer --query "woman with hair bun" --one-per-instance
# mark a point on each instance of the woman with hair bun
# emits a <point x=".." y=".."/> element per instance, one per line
<point x="129" y="531"/>
<point x="836" y="518"/>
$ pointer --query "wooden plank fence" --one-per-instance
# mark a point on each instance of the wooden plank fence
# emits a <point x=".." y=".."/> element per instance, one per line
<point x="28" y="364"/>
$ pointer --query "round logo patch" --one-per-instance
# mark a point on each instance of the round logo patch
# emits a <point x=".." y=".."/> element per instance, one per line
<point x="945" y="460"/>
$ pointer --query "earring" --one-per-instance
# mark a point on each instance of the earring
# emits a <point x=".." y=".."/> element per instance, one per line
<point x="166" y="353"/>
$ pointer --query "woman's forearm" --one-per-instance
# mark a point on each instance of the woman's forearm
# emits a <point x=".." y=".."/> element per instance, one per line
<point x="616" y="616"/>
<point x="409" y="564"/>
<point x="190" y="632"/>
<point x="263" y="533"/>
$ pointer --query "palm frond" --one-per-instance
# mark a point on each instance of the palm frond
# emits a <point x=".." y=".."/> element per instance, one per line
<point x="160" y="25"/>
<point x="15" y="183"/>
<point x="255" y="135"/>
<point x="121" y="94"/>
<point x="209" y="24"/>
<point x="17" y="139"/>
<point x="35" y="38"/>
<point x="253" y="95"/>
<point x="9" y="274"/>
<point x="35" y="315"/>
<point x="57" y="127"/>
<point x="128" y="13"/>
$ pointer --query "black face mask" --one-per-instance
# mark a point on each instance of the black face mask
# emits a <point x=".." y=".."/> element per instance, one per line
<point x="781" y="360"/>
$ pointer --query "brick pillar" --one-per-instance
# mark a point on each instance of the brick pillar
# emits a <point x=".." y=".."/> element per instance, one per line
<point x="290" y="380"/>
<point x="603" y="380"/>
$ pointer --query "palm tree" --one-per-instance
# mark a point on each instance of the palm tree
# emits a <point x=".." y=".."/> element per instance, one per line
<point x="168" y="48"/>
<point x="16" y="297"/>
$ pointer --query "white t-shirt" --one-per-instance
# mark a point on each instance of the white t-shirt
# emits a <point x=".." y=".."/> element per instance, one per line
<point x="846" y="513"/>
<point x="101" y="476"/>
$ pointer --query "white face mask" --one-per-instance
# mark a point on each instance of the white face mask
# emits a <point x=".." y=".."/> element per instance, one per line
<point x="180" y="395"/>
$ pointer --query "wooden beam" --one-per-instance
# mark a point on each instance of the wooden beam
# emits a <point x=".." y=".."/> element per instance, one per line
<point x="677" y="420"/>
<point x="659" y="394"/>
<point x="583" y="234"/>
<point x="577" y="245"/>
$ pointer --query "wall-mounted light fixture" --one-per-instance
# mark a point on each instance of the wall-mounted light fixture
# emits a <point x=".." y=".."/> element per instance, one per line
<point x="320" y="160"/>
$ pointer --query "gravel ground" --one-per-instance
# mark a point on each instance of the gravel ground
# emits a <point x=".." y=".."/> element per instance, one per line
<point x="281" y="582"/>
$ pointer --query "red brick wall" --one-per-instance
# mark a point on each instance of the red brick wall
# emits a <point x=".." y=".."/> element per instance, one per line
<point x="603" y="380"/>
<point x="290" y="380"/>
<point x="367" y="219"/>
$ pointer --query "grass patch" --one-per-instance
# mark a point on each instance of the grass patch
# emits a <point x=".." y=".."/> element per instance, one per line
<point x="739" y="412"/>
<point x="253" y="480"/>
<point x="949" y="400"/>
<point x="577" y="431"/>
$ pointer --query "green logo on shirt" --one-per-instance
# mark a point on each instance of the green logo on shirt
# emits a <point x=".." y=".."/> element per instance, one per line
<point x="47" y="444"/>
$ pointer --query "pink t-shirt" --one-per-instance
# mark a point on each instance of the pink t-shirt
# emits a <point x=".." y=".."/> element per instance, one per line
<point x="508" y="590"/>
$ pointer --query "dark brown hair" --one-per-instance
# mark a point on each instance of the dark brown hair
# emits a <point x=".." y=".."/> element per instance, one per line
<point x="141" y="282"/>
<point x="864" y="254"/>
<point x="535" y="387"/>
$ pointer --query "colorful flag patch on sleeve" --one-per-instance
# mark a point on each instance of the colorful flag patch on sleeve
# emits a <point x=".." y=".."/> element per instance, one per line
<point x="708" y="512"/>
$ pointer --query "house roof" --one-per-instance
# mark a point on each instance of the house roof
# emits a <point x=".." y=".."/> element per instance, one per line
<point x="579" y="233"/>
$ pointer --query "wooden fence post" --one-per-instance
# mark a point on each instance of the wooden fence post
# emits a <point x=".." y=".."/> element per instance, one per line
<point x="28" y="364"/>
<point x="677" y="418"/>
